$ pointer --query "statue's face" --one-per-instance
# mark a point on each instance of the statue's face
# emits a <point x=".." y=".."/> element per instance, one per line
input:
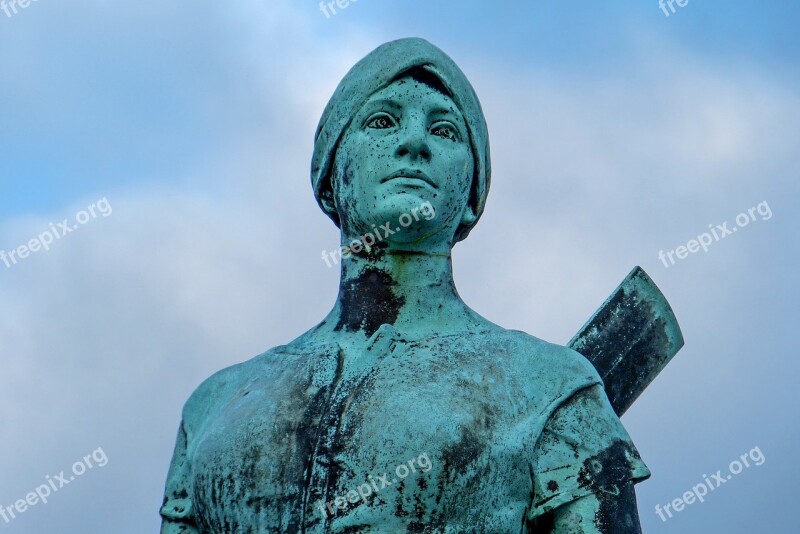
<point x="406" y="151"/>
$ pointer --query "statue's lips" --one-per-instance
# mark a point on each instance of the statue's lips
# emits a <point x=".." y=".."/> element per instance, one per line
<point x="411" y="177"/>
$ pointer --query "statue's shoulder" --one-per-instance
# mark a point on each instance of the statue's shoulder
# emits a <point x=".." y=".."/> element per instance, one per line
<point x="536" y="358"/>
<point x="222" y="385"/>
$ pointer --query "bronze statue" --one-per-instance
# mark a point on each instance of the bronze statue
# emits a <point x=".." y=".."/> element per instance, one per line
<point x="404" y="410"/>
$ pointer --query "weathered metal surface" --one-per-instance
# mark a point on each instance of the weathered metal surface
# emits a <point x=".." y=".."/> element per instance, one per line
<point x="630" y="338"/>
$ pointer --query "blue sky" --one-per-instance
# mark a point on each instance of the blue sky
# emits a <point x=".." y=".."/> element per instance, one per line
<point x="99" y="130"/>
<point x="616" y="132"/>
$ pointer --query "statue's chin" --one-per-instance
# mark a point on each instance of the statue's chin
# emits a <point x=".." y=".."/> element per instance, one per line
<point x="402" y="219"/>
<point x="403" y="201"/>
<point x="415" y="235"/>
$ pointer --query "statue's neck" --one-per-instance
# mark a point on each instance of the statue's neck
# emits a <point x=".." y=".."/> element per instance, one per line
<point x="413" y="291"/>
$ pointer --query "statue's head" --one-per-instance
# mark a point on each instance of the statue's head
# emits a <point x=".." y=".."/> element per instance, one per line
<point x="403" y="139"/>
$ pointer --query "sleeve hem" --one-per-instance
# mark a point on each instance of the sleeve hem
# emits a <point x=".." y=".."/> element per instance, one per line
<point x="638" y="474"/>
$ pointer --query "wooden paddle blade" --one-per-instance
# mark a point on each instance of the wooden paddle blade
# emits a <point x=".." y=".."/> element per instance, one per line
<point x="630" y="338"/>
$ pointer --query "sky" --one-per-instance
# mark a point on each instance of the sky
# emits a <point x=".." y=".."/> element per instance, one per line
<point x="168" y="144"/>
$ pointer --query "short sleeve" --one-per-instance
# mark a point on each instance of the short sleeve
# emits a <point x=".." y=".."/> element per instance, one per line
<point x="176" y="510"/>
<point x="583" y="449"/>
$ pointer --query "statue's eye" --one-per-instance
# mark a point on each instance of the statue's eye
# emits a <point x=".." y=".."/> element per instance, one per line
<point x="381" y="122"/>
<point x="445" y="131"/>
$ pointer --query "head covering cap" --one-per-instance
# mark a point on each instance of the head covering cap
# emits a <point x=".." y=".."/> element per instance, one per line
<point x="379" y="69"/>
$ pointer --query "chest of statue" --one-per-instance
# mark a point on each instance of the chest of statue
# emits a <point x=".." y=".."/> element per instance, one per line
<point x="395" y="436"/>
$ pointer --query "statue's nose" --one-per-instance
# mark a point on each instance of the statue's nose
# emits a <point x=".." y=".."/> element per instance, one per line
<point x="414" y="143"/>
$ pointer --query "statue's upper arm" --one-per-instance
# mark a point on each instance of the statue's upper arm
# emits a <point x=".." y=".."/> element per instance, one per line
<point x="177" y="510"/>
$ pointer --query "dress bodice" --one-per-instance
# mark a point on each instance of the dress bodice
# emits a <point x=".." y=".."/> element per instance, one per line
<point x="426" y="436"/>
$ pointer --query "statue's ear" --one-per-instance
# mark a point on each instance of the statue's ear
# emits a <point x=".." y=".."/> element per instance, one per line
<point x="327" y="201"/>
<point x="469" y="217"/>
<point x="326" y="197"/>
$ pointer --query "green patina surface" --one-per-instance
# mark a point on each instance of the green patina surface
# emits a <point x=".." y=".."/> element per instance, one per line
<point x="403" y="410"/>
